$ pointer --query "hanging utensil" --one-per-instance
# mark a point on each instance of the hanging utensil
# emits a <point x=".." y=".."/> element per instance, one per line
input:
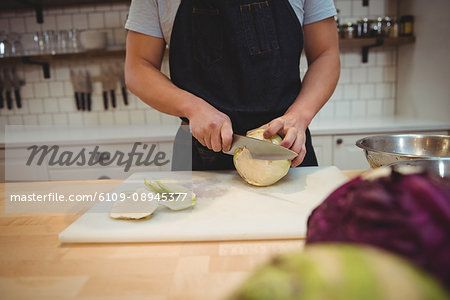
<point x="2" y="100"/>
<point x="17" y="83"/>
<point x="74" y="80"/>
<point x="112" y="85"/>
<point x="82" y="89"/>
<point x="121" y="77"/>
<point x="88" y="91"/>
<point x="105" y="87"/>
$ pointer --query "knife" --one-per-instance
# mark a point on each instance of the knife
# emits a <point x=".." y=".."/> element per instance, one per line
<point x="104" y="80"/>
<point x="88" y="91"/>
<point x="260" y="149"/>
<point x="82" y="89"/>
<point x="112" y="85"/>
<point x="121" y="76"/>
<point x="74" y="79"/>
<point x="113" y="98"/>
<point x="2" y="100"/>
<point x="17" y="83"/>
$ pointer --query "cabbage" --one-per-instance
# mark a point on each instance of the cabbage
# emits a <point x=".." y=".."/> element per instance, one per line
<point x="338" y="271"/>
<point x="260" y="172"/>
<point x="408" y="214"/>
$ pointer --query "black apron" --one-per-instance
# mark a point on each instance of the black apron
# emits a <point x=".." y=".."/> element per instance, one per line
<point x="242" y="57"/>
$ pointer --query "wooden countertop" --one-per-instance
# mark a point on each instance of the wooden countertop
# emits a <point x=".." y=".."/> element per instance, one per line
<point x="35" y="265"/>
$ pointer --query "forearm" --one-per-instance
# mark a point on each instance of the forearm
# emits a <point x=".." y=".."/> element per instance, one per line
<point x="155" y="89"/>
<point x="143" y="77"/>
<point x="318" y="85"/>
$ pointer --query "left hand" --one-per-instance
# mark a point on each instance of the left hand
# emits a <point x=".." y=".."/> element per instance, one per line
<point x="292" y="130"/>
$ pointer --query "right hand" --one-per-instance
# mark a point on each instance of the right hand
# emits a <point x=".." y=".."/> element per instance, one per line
<point x="211" y="127"/>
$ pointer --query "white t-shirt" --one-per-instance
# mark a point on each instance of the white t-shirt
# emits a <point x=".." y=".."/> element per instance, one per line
<point x="155" y="17"/>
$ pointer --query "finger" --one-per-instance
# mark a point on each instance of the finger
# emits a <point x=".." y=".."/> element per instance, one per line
<point x="289" y="138"/>
<point x="274" y="127"/>
<point x="298" y="144"/>
<point x="216" y="139"/>
<point x="226" y="133"/>
<point x="207" y="139"/>
<point x="299" y="159"/>
<point x="200" y="140"/>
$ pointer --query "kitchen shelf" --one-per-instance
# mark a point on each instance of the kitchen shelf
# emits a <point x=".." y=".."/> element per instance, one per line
<point x="39" y="5"/>
<point x="45" y="59"/>
<point x="74" y="55"/>
<point x="363" y="42"/>
<point x="367" y="43"/>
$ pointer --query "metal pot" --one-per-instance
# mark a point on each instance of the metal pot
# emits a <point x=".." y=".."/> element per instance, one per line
<point x="386" y="149"/>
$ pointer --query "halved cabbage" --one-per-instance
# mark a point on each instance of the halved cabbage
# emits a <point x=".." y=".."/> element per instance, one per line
<point x="256" y="171"/>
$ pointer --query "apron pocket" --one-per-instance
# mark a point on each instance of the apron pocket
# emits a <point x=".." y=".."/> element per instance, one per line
<point x="259" y="28"/>
<point x="207" y="36"/>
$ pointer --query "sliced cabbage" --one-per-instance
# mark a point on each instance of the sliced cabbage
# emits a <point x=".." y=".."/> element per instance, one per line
<point x="257" y="171"/>
<point x="129" y="209"/>
<point x="178" y="196"/>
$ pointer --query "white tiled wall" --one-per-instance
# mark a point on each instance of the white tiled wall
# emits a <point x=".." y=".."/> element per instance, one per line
<point x="51" y="101"/>
<point x="363" y="90"/>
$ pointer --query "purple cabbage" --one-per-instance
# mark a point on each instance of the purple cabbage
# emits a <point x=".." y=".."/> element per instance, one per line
<point x="406" y="214"/>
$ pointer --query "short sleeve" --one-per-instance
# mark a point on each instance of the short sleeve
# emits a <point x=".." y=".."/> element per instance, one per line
<point x="143" y="17"/>
<point x="317" y="10"/>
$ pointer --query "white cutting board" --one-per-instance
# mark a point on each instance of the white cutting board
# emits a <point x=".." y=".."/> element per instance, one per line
<point x="227" y="209"/>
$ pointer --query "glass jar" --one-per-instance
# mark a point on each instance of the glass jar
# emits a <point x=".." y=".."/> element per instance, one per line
<point x="366" y="28"/>
<point x="386" y="27"/>
<point x="378" y="27"/>
<point x="394" y="28"/>
<point x="5" y="45"/>
<point x="348" y="31"/>
<point x="406" y="25"/>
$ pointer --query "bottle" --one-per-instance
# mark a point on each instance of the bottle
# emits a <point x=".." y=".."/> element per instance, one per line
<point x="394" y="29"/>
<point x="386" y="28"/>
<point x="406" y="25"/>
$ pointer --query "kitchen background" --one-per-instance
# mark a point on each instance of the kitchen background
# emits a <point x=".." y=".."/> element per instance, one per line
<point x="384" y="86"/>
<point x="401" y="89"/>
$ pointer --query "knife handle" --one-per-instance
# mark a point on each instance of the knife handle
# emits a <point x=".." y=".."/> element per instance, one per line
<point x="83" y="101"/>
<point x="125" y="95"/>
<point x="9" y="101"/>
<point x="77" y="101"/>
<point x="18" y="99"/>
<point x="113" y="98"/>
<point x="2" y="100"/>
<point x="88" y="101"/>
<point x="105" y="100"/>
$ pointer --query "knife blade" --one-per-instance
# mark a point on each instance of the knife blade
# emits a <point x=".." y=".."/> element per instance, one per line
<point x="104" y="80"/>
<point x="89" y="90"/>
<point x="2" y="100"/>
<point x="82" y="89"/>
<point x="260" y="149"/>
<point x="121" y="76"/>
<point x="9" y="101"/>
<point x="74" y="80"/>
<point x="113" y="98"/>
<point x="17" y="83"/>
<point x="112" y="85"/>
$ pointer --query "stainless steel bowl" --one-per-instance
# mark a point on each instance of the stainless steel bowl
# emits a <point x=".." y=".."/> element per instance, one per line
<point x="438" y="166"/>
<point x="383" y="150"/>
